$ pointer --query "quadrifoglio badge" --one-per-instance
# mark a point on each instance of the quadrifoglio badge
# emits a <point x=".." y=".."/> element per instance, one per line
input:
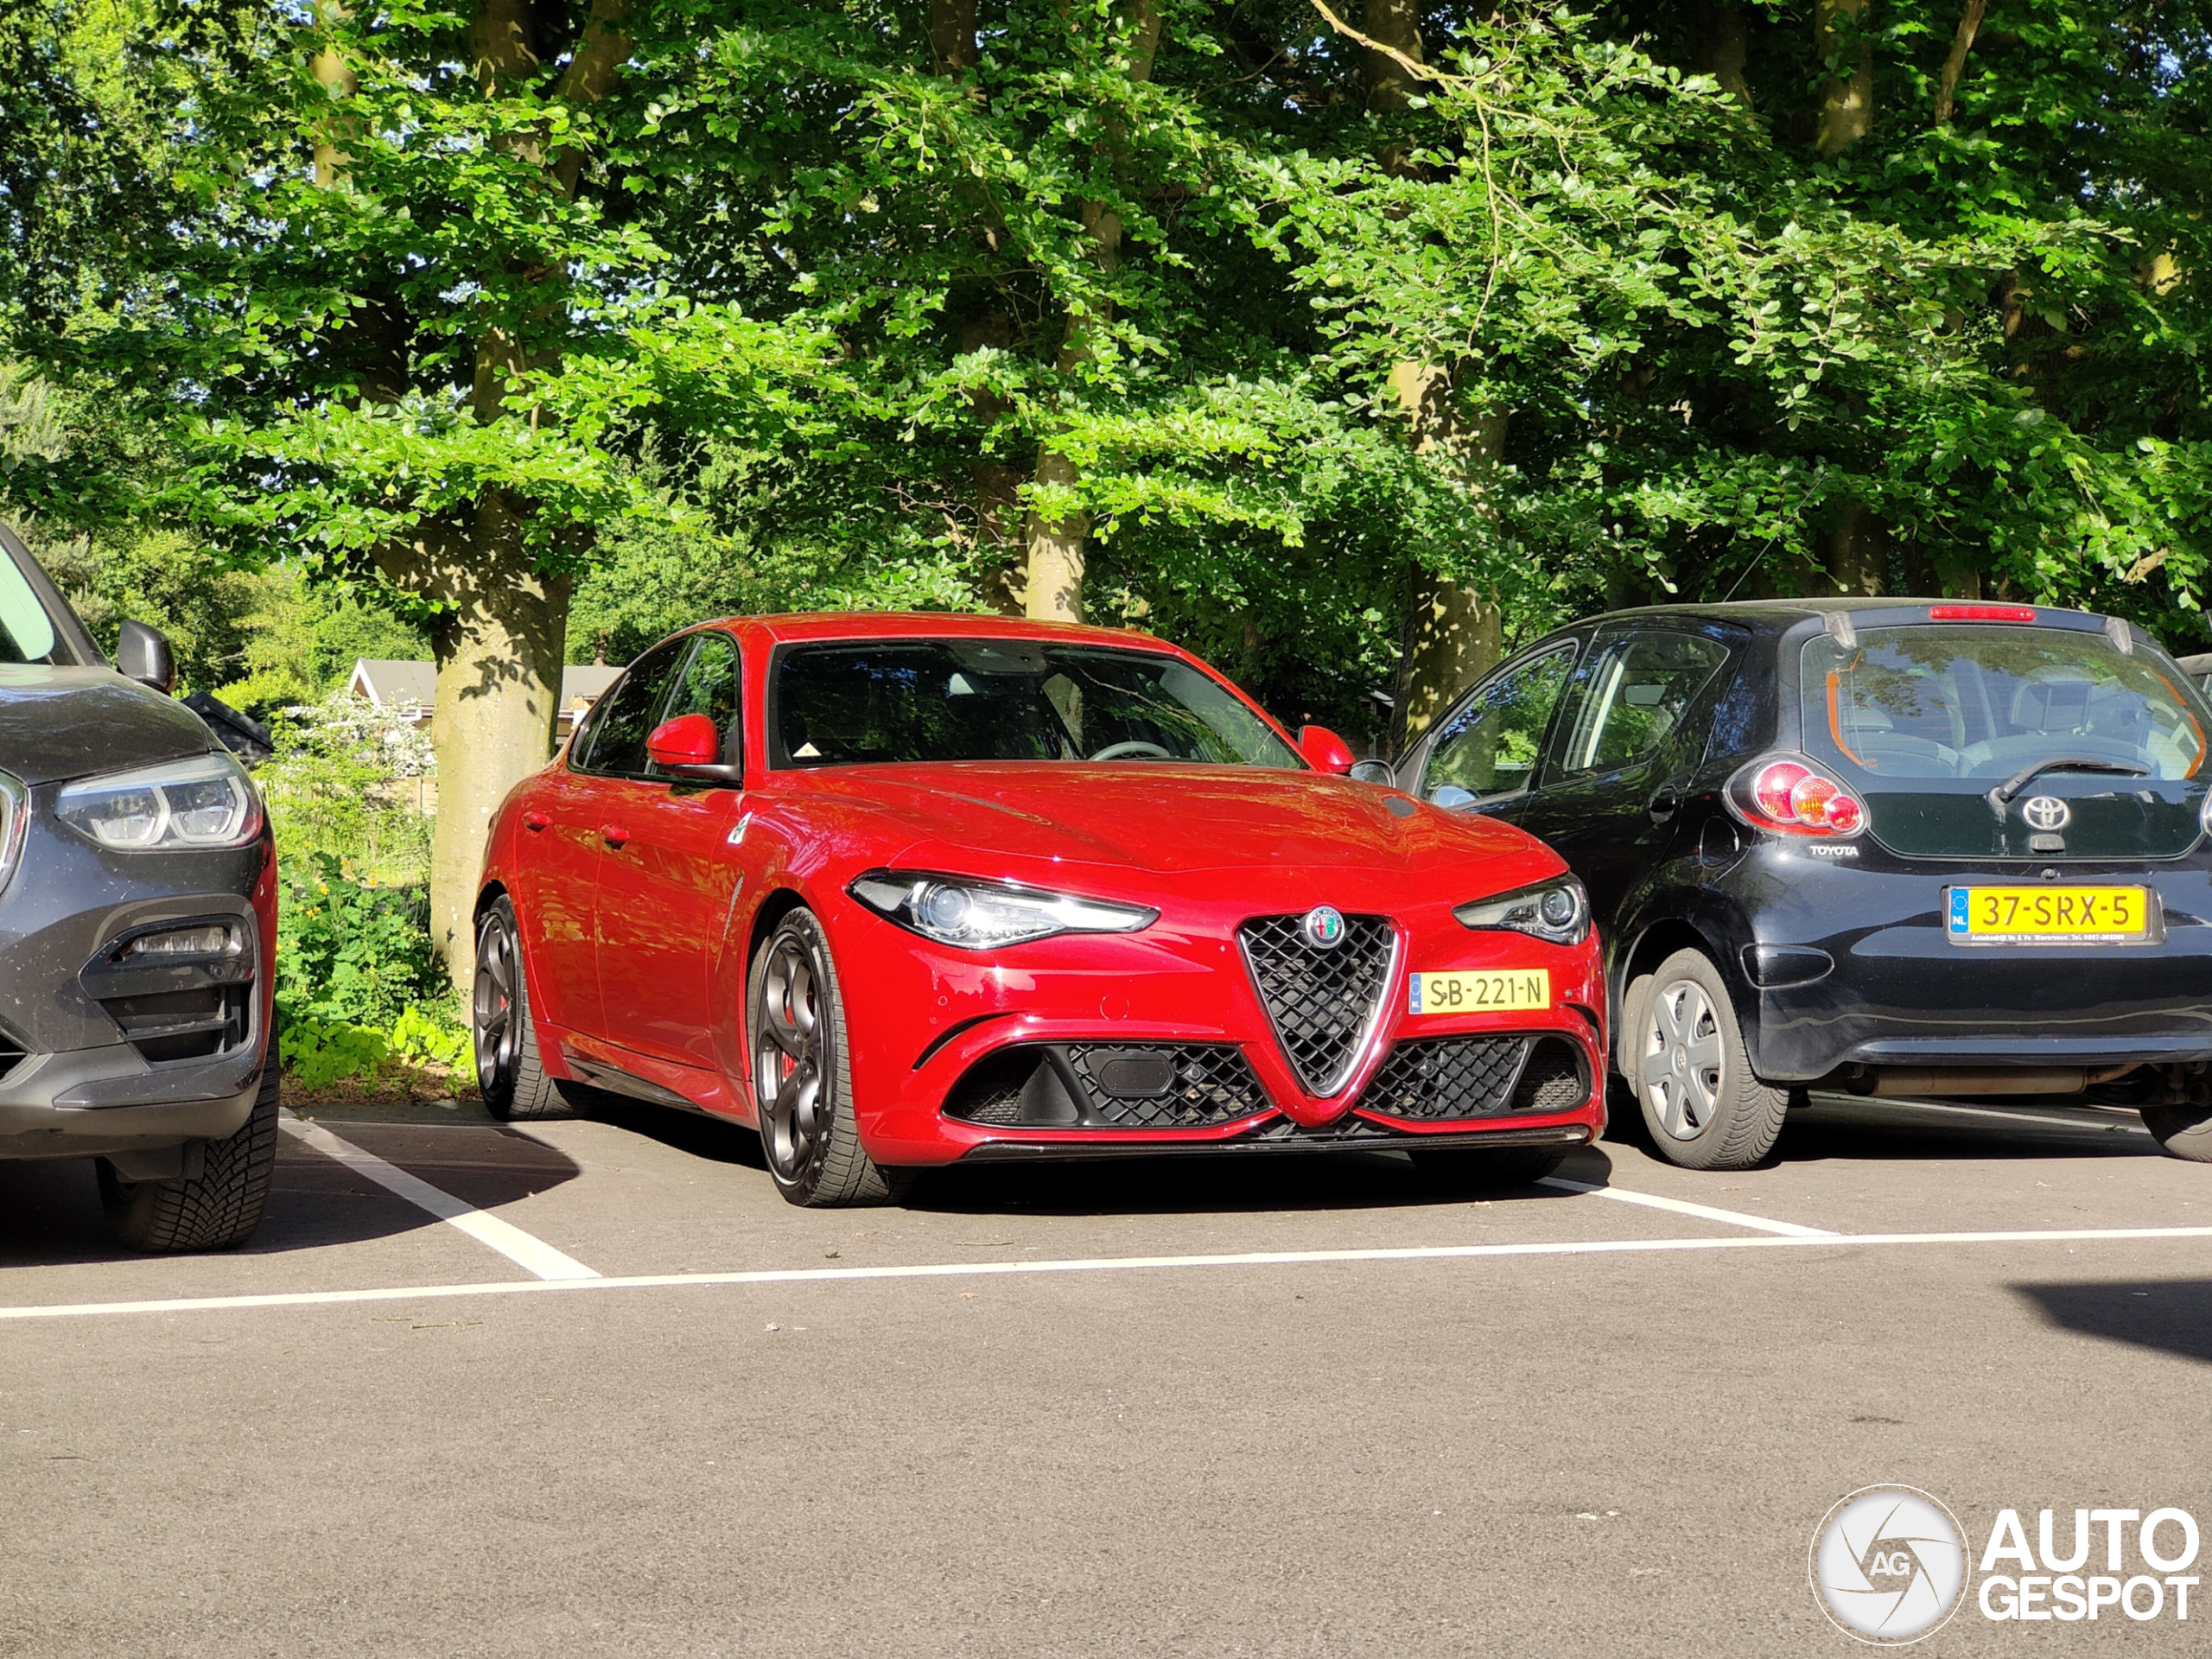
<point x="1891" y="1564"/>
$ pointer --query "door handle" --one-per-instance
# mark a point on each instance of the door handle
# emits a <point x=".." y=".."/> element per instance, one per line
<point x="613" y="834"/>
<point x="534" y="819"/>
<point x="1665" y="805"/>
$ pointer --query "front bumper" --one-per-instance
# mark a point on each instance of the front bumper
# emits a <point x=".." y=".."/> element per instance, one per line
<point x="936" y="1031"/>
<point x="1900" y="993"/>
<point x="107" y="1058"/>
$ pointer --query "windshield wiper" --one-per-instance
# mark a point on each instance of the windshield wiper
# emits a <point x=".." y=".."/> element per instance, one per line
<point x="2001" y="796"/>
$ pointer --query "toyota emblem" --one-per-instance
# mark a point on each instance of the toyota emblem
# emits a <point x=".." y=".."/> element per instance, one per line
<point x="2046" y="813"/>
<point x="1323" y="926"/>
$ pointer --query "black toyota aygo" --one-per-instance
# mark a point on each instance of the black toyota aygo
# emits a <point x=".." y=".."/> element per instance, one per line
<point x="1902" y="847"/>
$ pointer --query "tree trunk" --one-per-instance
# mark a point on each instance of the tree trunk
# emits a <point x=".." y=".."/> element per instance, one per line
<point x="952" y="35"/>
<point x="1954" y="65"/>
<point x="1053" y="590"/>
<point x="499" y="651"/>
<point x="1451" y="635"/>
<point x="1859" y="554"/>
<point x="1847" y="99"/>
<point x="1727" y="46"/>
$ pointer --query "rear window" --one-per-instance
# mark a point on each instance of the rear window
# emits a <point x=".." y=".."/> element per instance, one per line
<point x="1925" y="720"/>
<point x="1935" y="701"/>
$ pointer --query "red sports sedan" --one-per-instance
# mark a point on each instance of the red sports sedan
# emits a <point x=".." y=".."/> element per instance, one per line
<point x="905" y="891"/>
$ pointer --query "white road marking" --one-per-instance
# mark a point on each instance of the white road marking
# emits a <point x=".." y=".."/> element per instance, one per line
<point x="1104" y="1264"/>
<point x="2013" y="1116"/>
<point x="1682" y="1207"/>
<point x="526" y="1251"/>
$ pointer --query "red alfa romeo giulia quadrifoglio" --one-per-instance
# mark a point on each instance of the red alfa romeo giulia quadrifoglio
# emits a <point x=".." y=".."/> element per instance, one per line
<point x="902" y="891"/>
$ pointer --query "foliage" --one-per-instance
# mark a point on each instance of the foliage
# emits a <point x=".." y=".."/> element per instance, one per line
<point x="348" y="782"/>
<point x="347" y="951"/>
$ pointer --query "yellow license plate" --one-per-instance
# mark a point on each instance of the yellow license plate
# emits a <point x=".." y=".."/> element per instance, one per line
<point x="2070" y="915"/>
<point x="1496" y="991"/>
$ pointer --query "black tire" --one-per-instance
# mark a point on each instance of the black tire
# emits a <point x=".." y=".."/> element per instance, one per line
<point x="801" y="1075"/>
<point x="1701" y="1105"/>
<point x="1471" y="1169"/>
<point x="2182" y="1131"/>
<point x="220" y="1209"/>
<point x="509" y="1074"/>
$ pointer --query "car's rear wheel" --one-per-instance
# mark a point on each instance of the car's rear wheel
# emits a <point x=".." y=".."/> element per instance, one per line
<point x="509" y="1074"/>
<point x="1693" y="1076"/>
<point x="2184" y="1131"/>
<point x="802" y="1074"/>
<point x="1471" y="1169"/>
<point x="219" y="1208"/>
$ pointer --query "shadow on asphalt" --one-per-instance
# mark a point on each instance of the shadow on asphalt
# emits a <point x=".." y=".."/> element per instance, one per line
<point x="1228" y="1184"/>
<point x="2172" y="1315"/>
<point x="1879" y="1131"/>
<point x="50" y="1210"/>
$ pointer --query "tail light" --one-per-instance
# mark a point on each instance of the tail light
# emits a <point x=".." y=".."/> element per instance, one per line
<point x="1981" y="612"/>
<point x="1793" y="798"/>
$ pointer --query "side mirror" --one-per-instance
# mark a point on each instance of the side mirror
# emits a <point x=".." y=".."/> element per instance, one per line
<point x="690" y="747"/>
<point x="1373" y="772"/>
<point x="142" y="654"/>
<point x="1451" y="797"/>
<point x="1328" y="751"/>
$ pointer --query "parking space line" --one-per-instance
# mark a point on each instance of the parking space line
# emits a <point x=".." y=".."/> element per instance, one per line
<point x="1102" y="1264"/>
<point x="525" y="1250"/>
<point x="1682" y="1207"/>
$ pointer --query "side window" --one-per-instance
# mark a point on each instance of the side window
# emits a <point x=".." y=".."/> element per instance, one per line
<point x="707" y="685"/>
<point x="616" y="741"/>
<point x="1631" y="696"/>
<point x="1489" y="744"/>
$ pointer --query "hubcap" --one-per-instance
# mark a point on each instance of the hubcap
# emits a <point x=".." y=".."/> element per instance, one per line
<point x="788" y="1045"/>
<point x="1682" y="1060"/>
<point x="492" y="1007"/>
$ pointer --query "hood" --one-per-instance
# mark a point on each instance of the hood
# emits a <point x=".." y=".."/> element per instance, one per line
<point x="1170" y="820"/>
<point x="60" y="723"/>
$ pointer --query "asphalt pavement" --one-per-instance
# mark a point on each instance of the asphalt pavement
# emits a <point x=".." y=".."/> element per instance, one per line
<point x="590" y="1387"/>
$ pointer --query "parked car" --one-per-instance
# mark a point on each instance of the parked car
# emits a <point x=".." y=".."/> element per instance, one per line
<point x="1900" y="847"/>
<point x="2198" y="668"/>
<point x="904" y="891"/>
<point x="138" y="931"/>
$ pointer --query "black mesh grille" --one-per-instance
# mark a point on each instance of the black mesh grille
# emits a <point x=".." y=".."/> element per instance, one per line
<point x="1440" y="1077"/>
<point x="1118" y="1086"/>
<point x="1321" y="1001"/>
<point x="1446" y="1076"/>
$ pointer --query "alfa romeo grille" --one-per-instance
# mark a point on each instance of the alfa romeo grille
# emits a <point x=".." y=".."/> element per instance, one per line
<point x="1446" y="1076"/>
<point x="1321" y="1001"/>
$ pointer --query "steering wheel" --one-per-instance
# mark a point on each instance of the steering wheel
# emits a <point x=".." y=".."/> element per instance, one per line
<point x="1133" y="745"/>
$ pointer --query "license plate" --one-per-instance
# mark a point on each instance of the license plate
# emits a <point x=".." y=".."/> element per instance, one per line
<point x="2049" y="915"/>
<point x="1481" y="992"/>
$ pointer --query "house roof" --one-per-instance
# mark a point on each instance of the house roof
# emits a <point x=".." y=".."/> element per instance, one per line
<point x="390" y="683"/>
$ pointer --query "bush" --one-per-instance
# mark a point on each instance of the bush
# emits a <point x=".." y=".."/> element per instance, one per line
<point x="342" y="783"/>
<point x="349" y="952"/>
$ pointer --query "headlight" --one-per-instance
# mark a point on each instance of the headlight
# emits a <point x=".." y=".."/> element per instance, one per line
<point x="1557" y="911"/>
<point x="204" y="802"/>
<point x="982" y="915"/>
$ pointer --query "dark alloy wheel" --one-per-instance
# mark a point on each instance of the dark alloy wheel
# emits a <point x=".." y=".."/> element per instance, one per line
<point x="802" y="1074"/>
<point x="508" y="1074"/>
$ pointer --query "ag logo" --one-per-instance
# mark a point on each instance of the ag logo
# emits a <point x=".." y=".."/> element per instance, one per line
<point x="2045" y="812"/>
<point x="1323" y="926"/>
<point x="1888" y="1565"/>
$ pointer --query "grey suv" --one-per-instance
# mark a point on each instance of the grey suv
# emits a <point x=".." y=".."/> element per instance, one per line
<point x="138" y="931"/>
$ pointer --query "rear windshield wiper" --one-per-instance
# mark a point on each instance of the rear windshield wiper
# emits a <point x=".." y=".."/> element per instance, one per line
<point x="2001" y="796"/>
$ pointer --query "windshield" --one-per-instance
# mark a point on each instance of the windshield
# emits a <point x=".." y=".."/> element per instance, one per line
<point x="26" y="631"/>
<point x="894" y="699"/>
<point x="1925" y="720"/>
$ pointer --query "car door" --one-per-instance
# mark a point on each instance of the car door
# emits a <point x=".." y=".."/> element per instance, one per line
<point x="666" y="874"/>
<point x="1631" y="730"/>
<point x="564" y="825"/>
<point x="1483" y="754"/>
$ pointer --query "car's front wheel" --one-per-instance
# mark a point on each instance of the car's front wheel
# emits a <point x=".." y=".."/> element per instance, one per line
<point x="1692" y="1073"/>
<point x="509" y="1074"/>
<point x="219" y="1208"/>
<point x="2184" y="1131"/>
<point x="802" y="1074"/>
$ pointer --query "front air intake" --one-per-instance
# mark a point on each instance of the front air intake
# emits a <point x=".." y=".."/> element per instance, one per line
<point x="1323" y="1000"/>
